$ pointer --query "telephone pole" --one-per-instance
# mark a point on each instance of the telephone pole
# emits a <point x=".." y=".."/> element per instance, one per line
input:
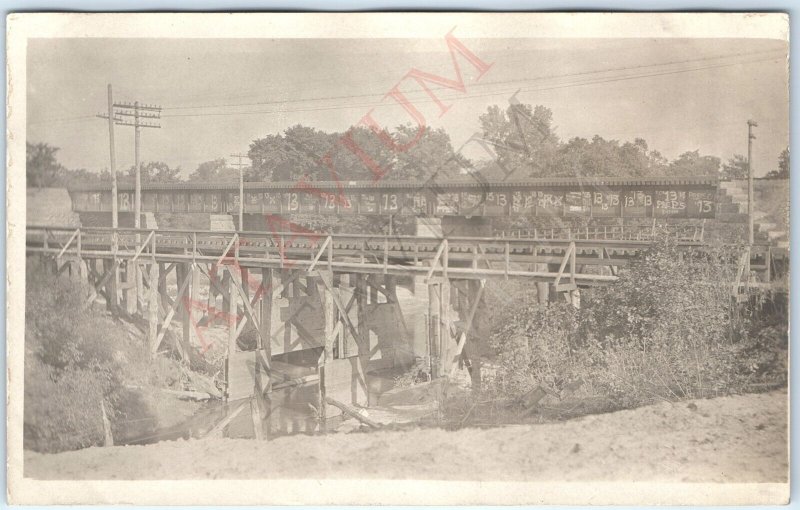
<point x="150" y="114"/>
<point x="750" y="137"/>
<point x="116" y="115"/>
<point x="241" y="186"/>
<point x="111" y="120"/>
<point x="144" y="116"/>
<point x="114" y="201"/>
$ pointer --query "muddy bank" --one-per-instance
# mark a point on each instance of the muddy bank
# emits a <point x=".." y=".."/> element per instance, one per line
<point x="728" y="439"/>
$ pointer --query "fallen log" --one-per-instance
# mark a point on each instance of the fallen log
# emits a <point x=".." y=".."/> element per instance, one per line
<point x="288" y="383"/>
<point x="193" y="395"/>
<point x="346" y="409"/>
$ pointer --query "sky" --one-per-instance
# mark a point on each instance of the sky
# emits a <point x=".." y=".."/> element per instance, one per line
<point x="218" y="95"/>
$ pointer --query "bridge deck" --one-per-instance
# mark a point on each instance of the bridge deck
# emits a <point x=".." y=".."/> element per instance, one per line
<point x="578" y="261"/>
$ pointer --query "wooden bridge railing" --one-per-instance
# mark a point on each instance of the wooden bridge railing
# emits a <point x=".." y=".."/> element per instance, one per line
<point x="681" y="232"/>
<point x="465" y="257"/>
<point x="471" y="257"/>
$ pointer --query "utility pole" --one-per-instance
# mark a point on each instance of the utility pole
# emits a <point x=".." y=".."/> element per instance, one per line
<point x="110" y="117"/>
<point x="750" y="137"/>
<point x="150" y="114"/>
<point x="137" y="220"/>
<point x="117" y="115"/>
<point x="241" y="187"/>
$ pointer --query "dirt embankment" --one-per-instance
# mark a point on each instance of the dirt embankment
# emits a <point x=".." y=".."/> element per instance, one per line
<point x="729" y="439"/>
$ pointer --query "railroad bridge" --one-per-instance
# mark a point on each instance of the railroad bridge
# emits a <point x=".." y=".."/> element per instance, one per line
<point x="474" y="198"/>
<point x="328" y="318"/>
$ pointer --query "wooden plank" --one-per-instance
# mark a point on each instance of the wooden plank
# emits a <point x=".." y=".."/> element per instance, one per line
<point x="190" y="336"/>
<point x="343" y="311"/>
<point x="567" y="258"/>
<point x="467" y="327"/>
<point x="565" y="287"/>
<point x="322" y="250"/>
<point x="226" y="295"/>
<point x="329" y="312"/>
<point x="219" y="427"/>
<point x="434" y="328"/>
<point x="442" y="248"/>
<point x="287" y="279"/>
<point x="248" y="308"/>
<point x="153" y="308"/>
<point x="255" y="415"/>
<point x="104" y="281"/>
<point x="232" y="312"/>
<point x="166" y="300"/>
<point x="262" y="390"/>
<point x="171" y="313"/>
<point x="64" y="249"/>
<point x="142" y="246"/>
<point x="361" y="335"/>
<point x="445" y="339"/>
<point x="346" y="409"/>
<point x="266" y="313"/>
<point x="214" y="283"/>
<point x="227" y="249"/>
<point x="112" y="284"/>
<point x="129" y="289"/>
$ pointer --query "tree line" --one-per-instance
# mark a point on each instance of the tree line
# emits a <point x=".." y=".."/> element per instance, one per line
<point x="519" y="141"/>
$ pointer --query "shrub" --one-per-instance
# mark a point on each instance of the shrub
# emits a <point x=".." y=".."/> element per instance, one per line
<point x="62" y="406"/>
<point x="666" y="330"/>
<point x="74" y="361"/>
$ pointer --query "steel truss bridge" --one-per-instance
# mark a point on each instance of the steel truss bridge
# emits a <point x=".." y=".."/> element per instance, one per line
<point x="657" y="197"/>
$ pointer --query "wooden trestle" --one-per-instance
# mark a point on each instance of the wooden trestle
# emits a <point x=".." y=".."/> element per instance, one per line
<point x="345" y="277"/>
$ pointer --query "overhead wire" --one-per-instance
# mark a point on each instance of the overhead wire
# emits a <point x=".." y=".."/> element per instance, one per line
<point x="464" y="96"/>
<point x="484" y="84"/>
<point x="373" y="104"/>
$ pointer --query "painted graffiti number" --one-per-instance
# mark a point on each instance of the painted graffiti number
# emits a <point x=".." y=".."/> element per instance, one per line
<point x="292" y="203"/>
<point x="704" y="206"/>
<point x="389" y="202"/>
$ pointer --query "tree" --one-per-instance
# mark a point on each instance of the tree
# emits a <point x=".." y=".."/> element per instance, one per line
<point x="44" y="170"/>
<point x="526" y="144"/>
<point x="214" y="170"/>
<point x="783" y="166"/>
<point x="431" y="156"/>
<point x="691" y="163"/>
<point x="607" y="158"/>
<point x="735" y="168"/>
<point x="155" y="171"/>
<point x="358" y="154"/>
<point x="41" y="167"/>
<point x="523" y="138"/>
<point x="290" y="155"/>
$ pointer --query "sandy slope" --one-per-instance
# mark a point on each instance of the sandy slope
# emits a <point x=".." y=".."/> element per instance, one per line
<point x="740" y="438"/>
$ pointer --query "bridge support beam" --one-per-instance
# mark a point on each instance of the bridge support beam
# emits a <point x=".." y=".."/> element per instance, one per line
<point x="153" y="305"/>
<point x="469" y="303"/>
<point x="130" y="289"/>
<point x="112" y="285"/>
<point x="440" y="328"/>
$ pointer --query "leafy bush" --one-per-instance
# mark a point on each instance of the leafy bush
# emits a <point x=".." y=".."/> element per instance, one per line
<point x="666" y="330"/>
<point x="62" y="406"/>
<point x="74" y="361"/>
